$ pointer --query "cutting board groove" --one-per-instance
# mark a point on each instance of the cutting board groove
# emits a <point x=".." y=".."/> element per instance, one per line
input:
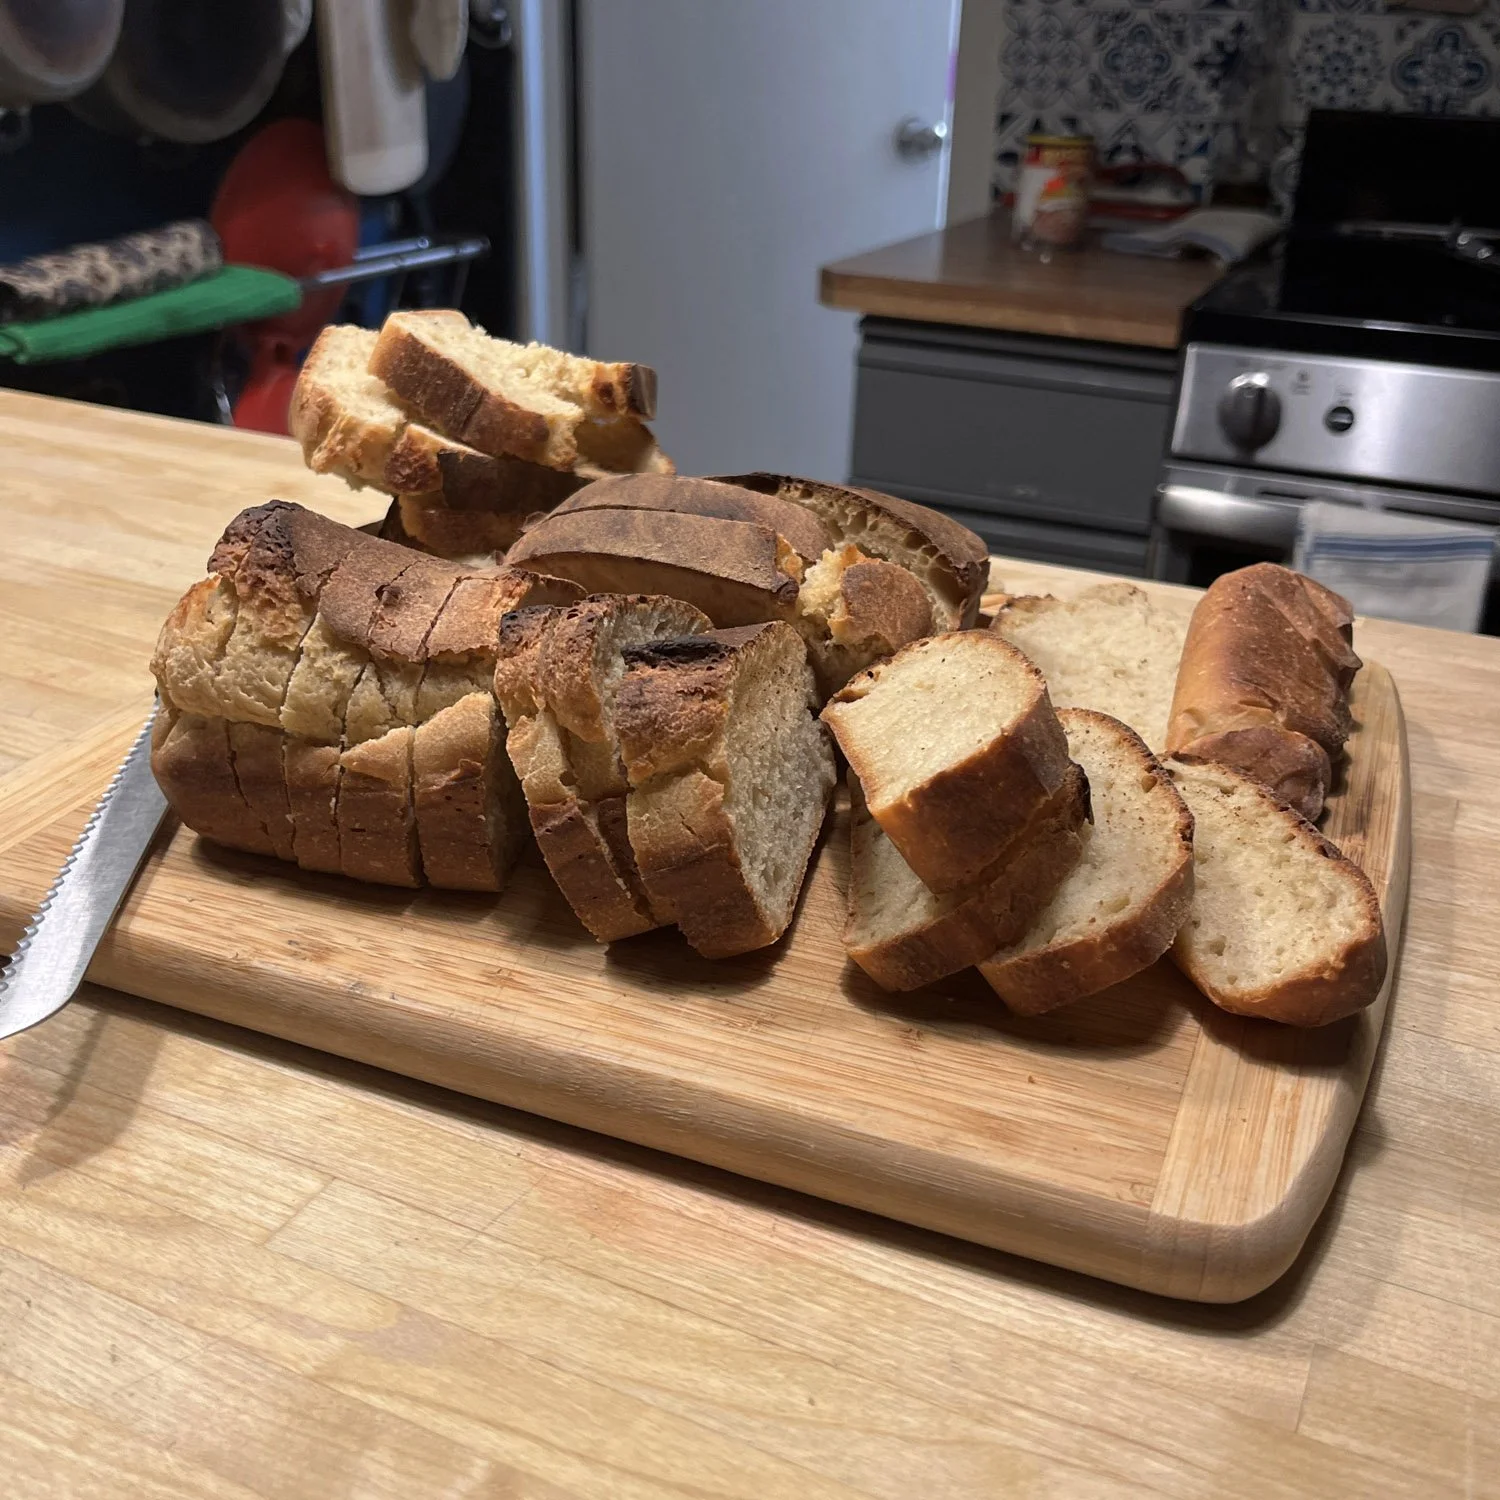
<point x="1141" y="1136"/>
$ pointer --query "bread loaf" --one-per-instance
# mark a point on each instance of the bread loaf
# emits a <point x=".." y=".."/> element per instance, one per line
<point x="1121" y="905"/>
<point x="1264" y="681"/>
<point x="730" y="775"/>
<point x="957" y="747"/>
<point x="297" y="681"/>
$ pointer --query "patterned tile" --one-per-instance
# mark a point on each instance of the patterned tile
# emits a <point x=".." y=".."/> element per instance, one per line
<point x="1221" y="88"/>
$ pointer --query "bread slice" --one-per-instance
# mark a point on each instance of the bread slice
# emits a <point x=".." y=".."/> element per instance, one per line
<point x="730" y="775"/>
<point x="1281" y="924"/>
<point x="904" y="935"/>
<point x="950" y="562"/>
<point x="1121" y="905"/>
<point x="556" y="677"/>
<point x="518" y="400"/>
<point x="1109" y="648"/>
<point x="957" y="747"/>
<point x="736" y="572"/>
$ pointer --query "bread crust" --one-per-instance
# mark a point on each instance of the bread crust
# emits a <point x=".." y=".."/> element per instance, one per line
<point x="469" y="810"/>
<point x="1045" y="978"/>
<point x="306" y="663"/>
<point x="954" y="826"/>
<point x="736" y="572"/>
<point x="1345" y="980"/>
<point x="442" y="391"/>
<point x="884" y="527"/>
<point x="974" y="924"/>
<point x="808" y="536"/>
<point x="1268" y="650"/>
<point x="671" y="715"/>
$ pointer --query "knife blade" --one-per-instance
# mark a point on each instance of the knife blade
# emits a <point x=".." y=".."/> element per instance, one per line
<point x="53" y="955"/>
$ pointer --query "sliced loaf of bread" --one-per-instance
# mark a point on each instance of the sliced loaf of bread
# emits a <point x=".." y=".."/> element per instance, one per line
<point x="957" y="747"/>
<point x="904" y="935"/>
<point x="1108" y="648"/>
<point x="1281" y="924"/>
<point x="1123" y="902"/>
<point x="730" y="775"/>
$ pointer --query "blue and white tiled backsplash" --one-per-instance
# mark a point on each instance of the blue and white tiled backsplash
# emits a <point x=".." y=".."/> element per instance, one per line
<point x="1220" y="88"/>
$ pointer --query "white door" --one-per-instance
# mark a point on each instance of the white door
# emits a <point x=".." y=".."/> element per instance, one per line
<point x="728" y="149"/>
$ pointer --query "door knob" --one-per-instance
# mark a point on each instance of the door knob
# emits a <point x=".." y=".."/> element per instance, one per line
<point x="916" y="139"/>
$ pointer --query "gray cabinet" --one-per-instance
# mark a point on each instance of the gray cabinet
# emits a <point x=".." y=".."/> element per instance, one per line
<point x="1049" y="448"/>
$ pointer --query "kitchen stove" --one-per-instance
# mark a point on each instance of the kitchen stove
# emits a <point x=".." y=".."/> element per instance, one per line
<point x="1358" y="361"/>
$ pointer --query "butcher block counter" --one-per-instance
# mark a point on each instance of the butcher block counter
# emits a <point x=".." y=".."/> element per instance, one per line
<point x="973" y="274"/>
<point x="231" y="1267"/>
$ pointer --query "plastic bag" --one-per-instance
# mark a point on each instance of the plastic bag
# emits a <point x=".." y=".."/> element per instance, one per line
<point x="1399" y="567"/>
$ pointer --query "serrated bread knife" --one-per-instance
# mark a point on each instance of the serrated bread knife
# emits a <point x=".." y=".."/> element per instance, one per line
<point x="54" y="952"/>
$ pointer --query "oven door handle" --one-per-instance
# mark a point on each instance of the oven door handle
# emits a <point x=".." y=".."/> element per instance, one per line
<point x="1228" y="518"/>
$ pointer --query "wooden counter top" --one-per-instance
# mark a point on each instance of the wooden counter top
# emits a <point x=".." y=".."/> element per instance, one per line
<point x="972" y="274"/>
<point x="232" y="1268"/>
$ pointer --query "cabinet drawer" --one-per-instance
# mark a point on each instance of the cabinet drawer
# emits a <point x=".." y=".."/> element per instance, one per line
<point x="1065" y="440"/>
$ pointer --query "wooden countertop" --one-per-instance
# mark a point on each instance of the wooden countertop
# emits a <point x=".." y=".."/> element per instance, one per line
<point x="972" y="274"/>
<point x="232" y="1268"/>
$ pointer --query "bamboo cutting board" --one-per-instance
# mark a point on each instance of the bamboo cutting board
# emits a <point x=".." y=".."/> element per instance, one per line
<point x="1141" y="1136"/>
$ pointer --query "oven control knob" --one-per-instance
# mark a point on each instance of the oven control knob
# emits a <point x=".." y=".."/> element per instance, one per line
<point x="1250" y="412"/>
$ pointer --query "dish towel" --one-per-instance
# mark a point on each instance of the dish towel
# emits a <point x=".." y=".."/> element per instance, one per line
<point x="1398" y="567"/>
<point x="233" y="294"/>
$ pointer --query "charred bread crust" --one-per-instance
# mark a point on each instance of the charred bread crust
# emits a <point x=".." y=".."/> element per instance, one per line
<point x="674" y="731"/>
<point x="573" y="655"/>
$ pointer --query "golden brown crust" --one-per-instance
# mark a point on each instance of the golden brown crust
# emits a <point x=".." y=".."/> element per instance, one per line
<point x="256" y="754"/>
<point x="880" y="606"/>
<point x="446" y="395"/>
<point x="955" y="825"/>
<point x="312" y="783"/>
<point x="1293" y="768"/>
<point x="603" y="893"/>
<point x="466" y="799"/>
<point x="804" y="532"/>
<point x="734" y="571"/>
<point x="975" y="924"/>
<point x="377" y="825"/>
<point x="192" y="762"/>
<point x="1032" y="983"/>
<point x="1268" y="650"/>
<point x="956" y="552"/>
